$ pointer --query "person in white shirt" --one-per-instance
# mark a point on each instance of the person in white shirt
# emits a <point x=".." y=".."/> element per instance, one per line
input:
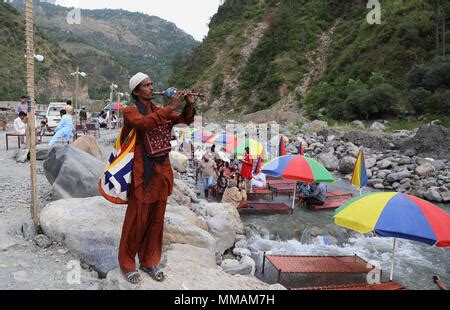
<point x="198" y="156"/>
<point x="20" y="125"/>
<point x="259" y="180"/>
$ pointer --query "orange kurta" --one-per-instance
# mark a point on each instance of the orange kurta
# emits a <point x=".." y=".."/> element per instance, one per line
<point x="144" y="220"/>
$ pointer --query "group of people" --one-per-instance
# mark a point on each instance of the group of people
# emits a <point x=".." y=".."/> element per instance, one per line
<point x="103" y="120"/>
<point x="227" y="180"/>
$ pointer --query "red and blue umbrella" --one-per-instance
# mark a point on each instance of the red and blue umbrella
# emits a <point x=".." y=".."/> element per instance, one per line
<point x="114" y="106"/>
<point x="392" y="214"/>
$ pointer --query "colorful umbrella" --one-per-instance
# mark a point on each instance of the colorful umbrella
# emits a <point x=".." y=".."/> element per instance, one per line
<point x="221" y="138"/>
<point x="238" y="150"/>
<point x="199" y="134"/>
<point x="262" y="159"/>
<point x="114" y="106"/>
<point x="391" y="214"/>
<point x="299" y="168"/>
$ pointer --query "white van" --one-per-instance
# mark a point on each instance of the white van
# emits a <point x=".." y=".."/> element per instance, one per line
<point x="53" y="116"/>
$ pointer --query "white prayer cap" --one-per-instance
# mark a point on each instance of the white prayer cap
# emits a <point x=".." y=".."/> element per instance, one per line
<point x="137" y="79"/>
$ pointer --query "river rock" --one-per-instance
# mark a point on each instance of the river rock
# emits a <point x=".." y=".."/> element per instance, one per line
<point x="221" y="210"/>
<point x="425" y="169"/>
<point x="241" y="252"/>
<point x="346" y="164"/>
<point x="357" y="124"/>
<point x="432" y="194"/>
<point x="72" y="172"/>
<point x="189" y="268"/>
<point x="242" y="243"/>
<point x="370" y="162"/>
<point x="178" y="230"/>
<point x="179" y="161"/>
<point x="377" y="126"/>
<point x="384" y="164"/>
<point x="351" y="149"/>
<point x="410" y="152"/>
<point x="43" y="151"/>
<point x="378" y="186"/>
<point x="315" y="126"/>
<point x="42" y="241"/>
<point x="187" y="215"/>
<point x="398" y="176"/>
<point x="21" y="155"/>
<point x="372" y="182"/>
<point x="291" y="149"/>
<point x="223" y="232"/>
<point x="88" y="144"/>
<point x="329" y="161"/>
<point x="438" y="165"/>
<point x="445" y="196"/>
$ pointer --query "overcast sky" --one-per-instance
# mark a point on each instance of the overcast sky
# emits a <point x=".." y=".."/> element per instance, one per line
<point x="192" y="16"/>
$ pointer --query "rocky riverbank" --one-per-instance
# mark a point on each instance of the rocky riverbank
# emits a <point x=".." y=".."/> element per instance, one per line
<point x="414" y="162"/>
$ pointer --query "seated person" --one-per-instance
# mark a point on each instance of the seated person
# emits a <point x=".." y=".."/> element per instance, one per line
<point x="64" y="131"/>
<point x="20" y="125"/>
<point x="303" y="189"/>
<point x="102" y="121"/>
<point x="227" y="172"/>
<point x="259" y="180"/>
<point x="235" y="196"/>
<point x="317" y="196"/>
<point x="241" y="182"/>
<point x="221" y="184"/>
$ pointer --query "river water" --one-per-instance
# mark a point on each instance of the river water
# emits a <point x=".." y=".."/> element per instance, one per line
<point x="308" y="232"/>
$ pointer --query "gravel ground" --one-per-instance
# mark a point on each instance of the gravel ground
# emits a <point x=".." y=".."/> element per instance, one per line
<point x="23" y="264"/>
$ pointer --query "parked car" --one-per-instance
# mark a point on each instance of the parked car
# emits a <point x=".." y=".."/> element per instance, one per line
<point x="53" y="116"/>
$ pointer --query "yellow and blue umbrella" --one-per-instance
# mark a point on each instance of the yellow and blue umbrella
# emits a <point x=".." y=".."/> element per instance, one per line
<point x="238" y="150"/>
<point x="392" y="214"/>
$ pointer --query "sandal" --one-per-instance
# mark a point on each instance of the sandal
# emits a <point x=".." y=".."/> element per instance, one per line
<point x="154" y="272"/>
<point x="133" y="277"/>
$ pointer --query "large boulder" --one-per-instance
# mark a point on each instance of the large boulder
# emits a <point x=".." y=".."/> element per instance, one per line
<point x="398" y="176"/>
<point x="220" y="210"/>
<point x="179" y="161"/>
<point x="89" y="228"/>
<point x="377" y="126"/>
<point x="357" y="124"/>
<point x="425" y="169"/>
<point x="329" y="160"/>
<point x="346" y="164"/>
<point x="189" y="268"/>
<point x="315" y="126"/>
<point x="433" y="194"/>
<point x="89" y="145"/>
<point x="43" y="151"/>
<point x="177" y="229"/>
<point x="223" y="232"/>
<point x="73" y="173"/>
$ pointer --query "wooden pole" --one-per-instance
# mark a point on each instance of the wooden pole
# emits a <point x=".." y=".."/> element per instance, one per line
<point x="29" y="31"/>
<point x="76" y="93"/>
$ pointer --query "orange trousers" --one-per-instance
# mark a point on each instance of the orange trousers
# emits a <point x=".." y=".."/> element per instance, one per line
<point x="142" y="234"/>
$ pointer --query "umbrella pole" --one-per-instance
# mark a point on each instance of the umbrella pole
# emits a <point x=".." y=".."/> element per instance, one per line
<point x="293" y="199"/>
<point x="392" y="260"/>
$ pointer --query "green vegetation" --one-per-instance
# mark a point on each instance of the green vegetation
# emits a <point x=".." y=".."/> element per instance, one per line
<point x="389" y="70"/>
<point x="12" y="61"/>
<point x="111" y="45"/>
<point x="369" y="73"/>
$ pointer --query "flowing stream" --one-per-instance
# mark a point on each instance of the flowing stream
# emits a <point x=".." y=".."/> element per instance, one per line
<point x="308" y="232"/>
